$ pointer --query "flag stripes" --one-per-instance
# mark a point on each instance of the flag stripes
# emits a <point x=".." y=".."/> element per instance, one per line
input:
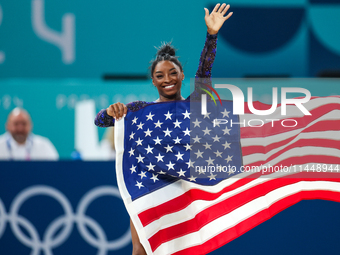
<point x="187" y="218"/>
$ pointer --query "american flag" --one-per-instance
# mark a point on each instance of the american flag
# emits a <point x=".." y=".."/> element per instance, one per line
<point x="259" y="165"/>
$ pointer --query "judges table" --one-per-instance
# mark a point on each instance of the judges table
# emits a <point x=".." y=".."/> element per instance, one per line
<point x="74" y="207"/>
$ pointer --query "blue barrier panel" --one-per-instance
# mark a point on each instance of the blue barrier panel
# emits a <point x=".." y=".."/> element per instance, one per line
<point x="73" y="207"/>
<point x="62" y="208"/>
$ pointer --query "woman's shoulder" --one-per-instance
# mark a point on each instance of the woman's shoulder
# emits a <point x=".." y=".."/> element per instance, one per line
<point x="136" y="105"/>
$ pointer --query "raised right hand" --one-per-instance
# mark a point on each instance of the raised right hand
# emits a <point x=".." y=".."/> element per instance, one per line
<point x="117" y="110"/>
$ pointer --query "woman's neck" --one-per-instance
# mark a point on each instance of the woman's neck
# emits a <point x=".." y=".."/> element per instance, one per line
<point x="165" y="99"/>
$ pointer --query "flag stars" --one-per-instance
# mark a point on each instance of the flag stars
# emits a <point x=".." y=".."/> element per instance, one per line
<point x="197" y="123"/>
<point x="187" y="147"/>
<point x="149" y="149"/>
<point x="196" y="139"/>
<point x="132" y="136"/>
<point x="168" y="148"/>
<point x="177" y="140"/>
<point x="140" y="158"/>
<point x="151" y="167"/>
<point x="177" y="123"/>
<point x="132" y="151"/>
<point x="210" y="161"/>
<point x="133" y="169"/>
<point x="140" y="126"/>
<point x="216" y="138"/>
<point x="181" y="173"/>
<point x="199" y="154"/>
<point x="170" y="166"/>
<point x="186" y="114"/>
<point x="212" y="177"/>
<point x="139" y="185"/>
<point x="157" y="141"/>
<point x="179" y="156"/>
<point x="161" y="172"/>
<point x="225" y="113"/>
<point x="216" y="123"/>
<point x="134" y="121"/>
<point x="201" y="171"/>
<point x="206" y="131"/>
<point x="207" y="146"/>
<point x="187" y="132"/>
<point x="167" y="132"/>
<point x="192" y="178"/>
<point x="150" y="116"/>
<point x="158" y="124"/>
<point x="226" y="145"/>
<point x="142" y="174"/>
<point x="168" y="116"/>
<point x="139" y="141"/>
<point x="229" y="158"/>
<point x="231" y="170"/>
<point x="154" y="177"/>
<point x="148" y="132"/>
<point x="190" y="163"/>
<point x="218" y="154"/>
<point x="226" y="131"/>
<point x="207" y="115"/>
<point x="159" y="157"/>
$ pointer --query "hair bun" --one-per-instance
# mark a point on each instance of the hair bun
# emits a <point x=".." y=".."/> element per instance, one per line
<point x="166" y="49"/>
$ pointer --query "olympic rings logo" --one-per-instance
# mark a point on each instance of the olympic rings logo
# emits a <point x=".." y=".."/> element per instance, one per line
<point x="60" y="228"/>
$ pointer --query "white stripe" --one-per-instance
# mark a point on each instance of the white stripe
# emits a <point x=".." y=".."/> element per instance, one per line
<point x="335" y="135"/>
<point x="198" y="206"/>
<point x="178" y="188"/>
<point x="119" y="144"/>
<point x="332" y="135"/>
<point x="334" y="115"/>
<point x="240" y="214"/>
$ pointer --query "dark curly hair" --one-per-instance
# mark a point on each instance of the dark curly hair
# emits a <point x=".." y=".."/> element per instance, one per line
<point x="165" y="52"/>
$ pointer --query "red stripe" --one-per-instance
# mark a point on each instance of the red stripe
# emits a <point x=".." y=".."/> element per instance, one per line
<point x="182" y="201"/>
<point x="300" y="160"/>
<point x="222" y="208"/>
<point x="269" y="129"/>
<point x="324" y="143"/>
<point x="255" y="220"/>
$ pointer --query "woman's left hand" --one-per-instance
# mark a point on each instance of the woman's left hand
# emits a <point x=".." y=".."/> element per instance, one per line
<point x="215" y="19"/>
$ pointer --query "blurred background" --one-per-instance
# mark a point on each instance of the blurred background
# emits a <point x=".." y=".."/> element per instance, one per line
<point x="63" y="61"/>
<point x="55" y="54"/>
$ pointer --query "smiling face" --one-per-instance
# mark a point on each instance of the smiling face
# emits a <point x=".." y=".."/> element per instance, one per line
<point x="167" y="78"/>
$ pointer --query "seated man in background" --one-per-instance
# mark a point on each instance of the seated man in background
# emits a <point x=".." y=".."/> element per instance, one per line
<point x="18" y="143"/>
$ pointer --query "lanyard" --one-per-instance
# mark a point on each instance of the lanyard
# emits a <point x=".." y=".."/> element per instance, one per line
<point x="29" y="145"/>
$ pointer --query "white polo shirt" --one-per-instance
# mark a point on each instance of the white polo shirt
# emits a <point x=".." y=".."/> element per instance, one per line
<point x="36" y="147"/>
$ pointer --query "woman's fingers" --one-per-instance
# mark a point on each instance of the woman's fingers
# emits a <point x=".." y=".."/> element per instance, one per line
<point x="206" y="12"/>
<point x="216" y="7"/>
<point x="225" y="9"/>
<point x="110" y="111"/>
<point x="121" y="110"/>
<point x="220" y="10"/>
<point x="117" y="110"/>
<point x="125" y="110"/>
<point x="228" y="16"/>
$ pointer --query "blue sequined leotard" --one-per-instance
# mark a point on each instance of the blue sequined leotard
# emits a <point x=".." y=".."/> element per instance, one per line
<point x="204" y="71"/>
